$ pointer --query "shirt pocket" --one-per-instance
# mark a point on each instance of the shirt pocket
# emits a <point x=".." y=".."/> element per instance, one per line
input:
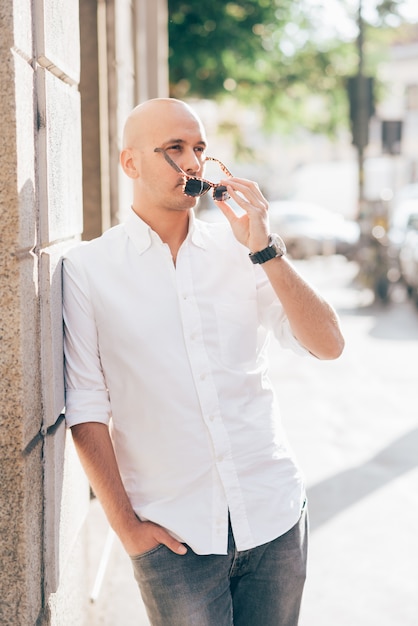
<point x="237" y="325"/>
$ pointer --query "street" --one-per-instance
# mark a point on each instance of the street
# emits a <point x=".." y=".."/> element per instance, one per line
<point x="353" y="424"/>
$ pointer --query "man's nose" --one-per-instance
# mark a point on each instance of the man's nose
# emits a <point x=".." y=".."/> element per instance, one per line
<point x="192" y="163"/>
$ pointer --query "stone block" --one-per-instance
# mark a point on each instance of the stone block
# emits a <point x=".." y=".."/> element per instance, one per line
<point x="22" y="27"/>
<point x="70" y="605"/>
<point x="60" y="190"/>
<point x="7" y="26"/>
<point x="58" y="38"/>
<point x="52" y="366"/>
<point x="25" y="152"/>
<point x="21" y="533"/>
<point x="29" y="337"/>
<point x="67" y="498"/>
<point x="21" y="415"/>
<point x="31" y="557"/>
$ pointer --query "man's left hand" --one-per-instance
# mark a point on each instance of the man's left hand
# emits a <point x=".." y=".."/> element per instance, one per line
<point x="252" y="228"/>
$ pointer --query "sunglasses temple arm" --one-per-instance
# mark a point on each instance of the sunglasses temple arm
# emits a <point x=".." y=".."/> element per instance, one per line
<point x="221" y="165"/>
<point x="170" y="161"/>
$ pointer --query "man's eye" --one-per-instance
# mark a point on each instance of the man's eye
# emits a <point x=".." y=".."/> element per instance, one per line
<point x="175" y="148"/>
<point x="200" y="149"/>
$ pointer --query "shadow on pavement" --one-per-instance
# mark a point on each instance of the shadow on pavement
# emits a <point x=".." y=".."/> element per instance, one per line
<point x="333" y="495"/>
<point x="396" y="321"/>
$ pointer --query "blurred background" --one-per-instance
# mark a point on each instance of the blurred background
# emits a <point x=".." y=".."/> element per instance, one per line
<point x="316" y="100"/>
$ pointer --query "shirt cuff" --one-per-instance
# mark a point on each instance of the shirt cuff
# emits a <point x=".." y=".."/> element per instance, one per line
<point x="86" y="406"/>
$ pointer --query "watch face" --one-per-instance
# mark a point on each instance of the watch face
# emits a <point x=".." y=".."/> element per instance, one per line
<point x="278" y="244"/>
<point x="276" y="248"/>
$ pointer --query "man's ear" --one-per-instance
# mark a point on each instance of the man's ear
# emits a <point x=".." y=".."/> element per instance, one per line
<point x="128" y="163"/>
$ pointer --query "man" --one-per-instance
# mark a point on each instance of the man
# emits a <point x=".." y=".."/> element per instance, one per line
<point x="171" y="409"/>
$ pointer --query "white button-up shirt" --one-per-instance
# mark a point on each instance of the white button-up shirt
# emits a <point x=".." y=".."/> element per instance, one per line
<point x="174" y="359"/>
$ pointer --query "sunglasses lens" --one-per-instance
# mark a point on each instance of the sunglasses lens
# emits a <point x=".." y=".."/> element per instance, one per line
<point x="220" y="193"/>
<point x="195" y="187"/>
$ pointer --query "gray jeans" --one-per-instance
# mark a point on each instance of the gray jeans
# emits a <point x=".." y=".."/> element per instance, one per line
<point x="258" y="587"/>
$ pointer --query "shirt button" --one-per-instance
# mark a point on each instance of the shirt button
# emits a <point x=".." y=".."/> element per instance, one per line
<point x="220" y="458"/>
<point x="211" y="417"/>
<point x="202" y="376"/>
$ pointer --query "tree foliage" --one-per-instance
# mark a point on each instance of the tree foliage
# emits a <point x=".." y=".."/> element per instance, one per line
<point x="264" y="53"/>
<point x="211" y="42"/>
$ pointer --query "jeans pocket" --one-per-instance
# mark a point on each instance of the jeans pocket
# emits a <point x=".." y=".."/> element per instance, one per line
<point x="142" y="555"/>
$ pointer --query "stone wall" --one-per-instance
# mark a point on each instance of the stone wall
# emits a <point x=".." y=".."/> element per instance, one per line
<point x="41" y="214"/>
<point x="49" y="121"/>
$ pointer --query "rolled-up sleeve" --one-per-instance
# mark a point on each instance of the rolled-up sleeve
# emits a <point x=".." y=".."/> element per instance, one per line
<point x="273" y="316"/>
<point x="87" y="398"/>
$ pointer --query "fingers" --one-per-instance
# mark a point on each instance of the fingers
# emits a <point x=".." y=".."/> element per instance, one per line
<point x="228" y="211"/>
<point x="172" y="544"/>
<point x="251" y="229"/>
<point x="246" y="194"/>
<point x="147" y="536"/>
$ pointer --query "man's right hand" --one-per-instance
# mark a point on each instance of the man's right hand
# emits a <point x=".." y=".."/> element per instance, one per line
<point x="146" y="536"/>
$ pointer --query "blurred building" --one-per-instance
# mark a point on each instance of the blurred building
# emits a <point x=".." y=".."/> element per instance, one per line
<point x="394" y="131"/>
<point x="70" y="73"/>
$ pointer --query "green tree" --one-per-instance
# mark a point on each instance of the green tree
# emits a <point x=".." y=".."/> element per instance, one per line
<point x="214" y="42"/>
<point x="265" y="53"/>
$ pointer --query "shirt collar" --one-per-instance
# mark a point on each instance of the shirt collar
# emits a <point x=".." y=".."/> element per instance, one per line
<point x="142" y="235"/>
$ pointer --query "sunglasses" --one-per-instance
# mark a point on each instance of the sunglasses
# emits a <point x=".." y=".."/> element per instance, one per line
<point x="199" y="186"/>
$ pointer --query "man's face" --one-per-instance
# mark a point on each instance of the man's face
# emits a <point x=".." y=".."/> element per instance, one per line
<point x="182" y="136"/>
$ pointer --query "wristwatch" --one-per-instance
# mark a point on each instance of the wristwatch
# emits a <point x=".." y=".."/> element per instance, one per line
<point x="276" y="248"/>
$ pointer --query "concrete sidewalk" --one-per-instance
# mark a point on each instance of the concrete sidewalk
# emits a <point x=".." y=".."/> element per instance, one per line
<point x="353" y="424"/>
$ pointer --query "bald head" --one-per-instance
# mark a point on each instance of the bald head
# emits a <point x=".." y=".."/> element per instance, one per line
<point x="154" y="120"/>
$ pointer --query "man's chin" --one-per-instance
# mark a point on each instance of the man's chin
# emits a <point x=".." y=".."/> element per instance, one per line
<point x="181" y="201"/>
<point x="187" y="202"/>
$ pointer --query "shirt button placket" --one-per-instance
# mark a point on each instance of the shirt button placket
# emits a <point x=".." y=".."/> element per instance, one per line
<point x="207" y="393"/>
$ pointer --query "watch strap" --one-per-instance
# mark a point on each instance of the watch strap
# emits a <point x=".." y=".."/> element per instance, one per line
<point x="271" y="252"/>
<point x="263" y="255"/>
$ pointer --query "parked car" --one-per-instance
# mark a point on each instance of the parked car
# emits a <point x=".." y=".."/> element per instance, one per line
<point x="403" y="238"/>
<point x="408" y="192"/>
<point x="404" y="217"/>
<point x="309" y="229"/>
<point x="408" y="261"/>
